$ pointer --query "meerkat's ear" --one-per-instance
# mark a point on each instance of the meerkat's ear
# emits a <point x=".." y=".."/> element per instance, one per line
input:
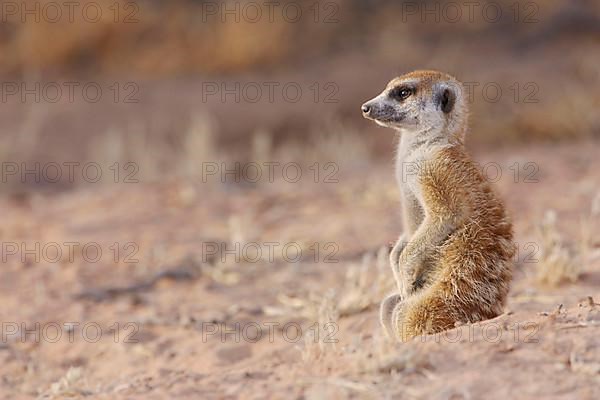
<point x="446" y="97"/>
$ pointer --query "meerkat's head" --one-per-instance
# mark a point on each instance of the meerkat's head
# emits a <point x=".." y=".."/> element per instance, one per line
<point x="421" y="102"/>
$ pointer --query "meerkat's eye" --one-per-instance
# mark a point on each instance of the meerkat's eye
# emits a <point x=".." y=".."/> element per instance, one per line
<point x="401" y="93"/>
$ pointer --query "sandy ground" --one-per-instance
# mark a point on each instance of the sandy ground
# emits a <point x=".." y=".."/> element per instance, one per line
<point x="173" y="309"/>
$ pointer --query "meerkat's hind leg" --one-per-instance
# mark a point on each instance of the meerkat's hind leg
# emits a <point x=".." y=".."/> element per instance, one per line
<point x="402" y="323"/>
<point x="385" y="314"/>
<point x="430" y="311"/>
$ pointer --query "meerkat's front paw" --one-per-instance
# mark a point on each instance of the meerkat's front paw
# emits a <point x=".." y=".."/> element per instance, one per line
<point x="413" y="270"/>
<point x="385" y="314"/>
<point x="395" y="261"/>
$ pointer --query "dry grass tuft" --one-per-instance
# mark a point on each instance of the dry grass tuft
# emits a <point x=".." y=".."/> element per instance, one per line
<point x="596" y="205"/>
<point x="153" y="157"/>
<point x="262" y="146"/>
<point x="328" y="317"/>
<point x="366" y="283"/>
<point x="385" y="356"/>
<point x="580" y="365"/>
<point x="558" y="263"/>
<point x="70" y="385"/>
<point x="365" y="286"/>
<point x="319" y="342"/>
<point x="590" y="244"/>
<point x="198" y="145"/>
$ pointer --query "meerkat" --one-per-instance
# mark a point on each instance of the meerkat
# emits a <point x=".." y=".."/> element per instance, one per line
<point x="453" y="262"/>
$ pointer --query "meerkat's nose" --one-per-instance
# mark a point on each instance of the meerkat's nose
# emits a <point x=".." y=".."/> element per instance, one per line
<point x="365" y="108"/>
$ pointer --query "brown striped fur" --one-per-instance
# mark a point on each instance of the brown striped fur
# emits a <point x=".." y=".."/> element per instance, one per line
<point x="453" y="263"/>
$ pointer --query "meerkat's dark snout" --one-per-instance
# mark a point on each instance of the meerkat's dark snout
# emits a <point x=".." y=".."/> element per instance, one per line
<point x="366" y="109"/>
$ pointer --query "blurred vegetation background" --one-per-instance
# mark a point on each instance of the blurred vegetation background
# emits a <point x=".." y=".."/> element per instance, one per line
<point x="532" y="67"/>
